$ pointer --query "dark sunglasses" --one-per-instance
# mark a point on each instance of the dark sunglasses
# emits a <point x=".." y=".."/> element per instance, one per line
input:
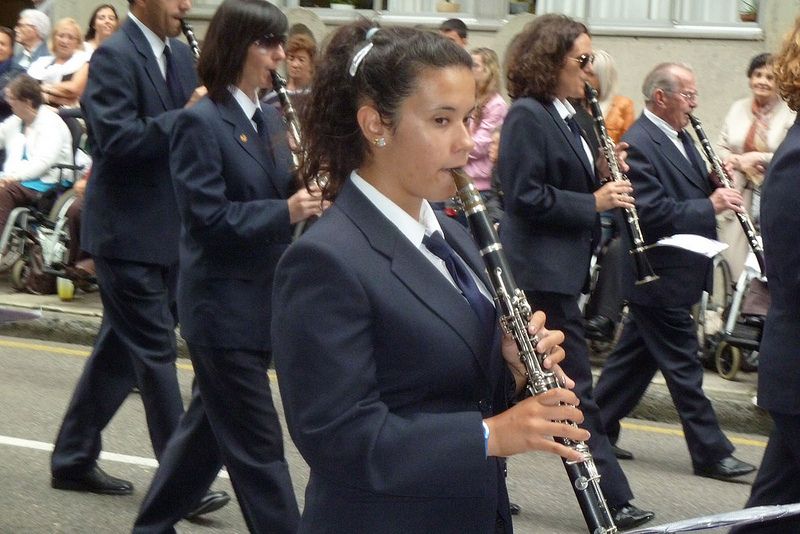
<point x="271" y="40"/>
<point x="584" y="59"/>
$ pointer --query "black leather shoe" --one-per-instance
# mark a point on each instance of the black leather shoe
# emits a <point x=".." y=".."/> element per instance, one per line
<point x="622" y="454"/>
<point x="515" y="508"/>
<point x="95" y="481"/>
<point x="628" y="516"/>
<point x="211" y="502"/>
<point x="725" y="469"/>
<point x="600" y="328"/>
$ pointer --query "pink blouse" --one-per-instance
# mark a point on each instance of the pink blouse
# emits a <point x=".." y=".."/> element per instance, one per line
<point x="479" y="166"/>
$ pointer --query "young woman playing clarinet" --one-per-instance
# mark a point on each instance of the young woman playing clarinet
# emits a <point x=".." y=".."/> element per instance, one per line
<point x="394" y="375"/>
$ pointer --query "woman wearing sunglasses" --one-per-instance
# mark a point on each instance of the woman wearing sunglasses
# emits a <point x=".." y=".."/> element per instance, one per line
<point x="230" y="167"/>
<point x="553" y="198"/>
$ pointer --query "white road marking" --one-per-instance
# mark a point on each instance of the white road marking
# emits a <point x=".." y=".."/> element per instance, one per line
<point x="110" y="456"/>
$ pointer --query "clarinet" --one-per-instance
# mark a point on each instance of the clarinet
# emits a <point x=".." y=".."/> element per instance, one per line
<point x="293" y="126"/>
<point x="188" y="31"/>
<point x="644" y="272"/>
<point x="289" y="114"/>
<point x="719" y="170"/>
<point x="515" y="313"/>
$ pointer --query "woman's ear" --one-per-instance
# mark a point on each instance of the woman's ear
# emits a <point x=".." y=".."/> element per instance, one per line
<point x="372" y="127"/>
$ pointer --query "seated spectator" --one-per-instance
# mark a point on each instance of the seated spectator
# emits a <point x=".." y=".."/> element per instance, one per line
<point x="8" y="70"/>
<point x="61" y="84"/>
<point x="31" y="30"/>
<point x="35" y="139"/>
<point x="80" y="265"/>
<point x="103" y="22"/>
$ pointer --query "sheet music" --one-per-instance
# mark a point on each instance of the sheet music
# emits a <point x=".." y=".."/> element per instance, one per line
<point x="693" y="243"/>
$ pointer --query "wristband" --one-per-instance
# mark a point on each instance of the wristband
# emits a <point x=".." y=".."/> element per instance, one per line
<point x="485" y="438"/>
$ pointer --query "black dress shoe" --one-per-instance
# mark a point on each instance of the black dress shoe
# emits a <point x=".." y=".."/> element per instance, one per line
<point x="725" y="469"/>
<point x="628" y="516"/>
<point x="515" y="508"/>
<point x="211" y="502"/>
<point x="95" y="481"/>
<point x="600" y="328"/>
<point x="622" y="454"/>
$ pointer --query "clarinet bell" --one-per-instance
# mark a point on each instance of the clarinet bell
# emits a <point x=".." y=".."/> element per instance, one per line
<point x="644" y="271"/>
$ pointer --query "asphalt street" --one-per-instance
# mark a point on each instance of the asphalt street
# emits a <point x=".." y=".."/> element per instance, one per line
<point x="38" y="378"/>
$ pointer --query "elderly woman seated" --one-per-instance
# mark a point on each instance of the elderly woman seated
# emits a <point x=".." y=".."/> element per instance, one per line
<point x="35" y="138"/>
<point x="62" y="74"/>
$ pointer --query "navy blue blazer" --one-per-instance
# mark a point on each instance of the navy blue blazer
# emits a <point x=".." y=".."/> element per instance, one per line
<point x="231" y="192"/>
<point x="779" y="359"/>
<point x="550" y="217"/>
<point x="385" y="375"/>
<point x="130" y="212"/>
<point x="671" y="198"/>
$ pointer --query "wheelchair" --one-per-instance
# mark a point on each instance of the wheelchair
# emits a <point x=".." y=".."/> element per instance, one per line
<point x="735" y="345"/>
<point x="35" y="239"/>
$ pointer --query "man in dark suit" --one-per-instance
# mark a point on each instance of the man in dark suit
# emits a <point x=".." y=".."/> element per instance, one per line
<point x="138" y="81"/>
<point x="673" y="196"/>
<point x="778" y="479"/>
<point x="553" y="198"/>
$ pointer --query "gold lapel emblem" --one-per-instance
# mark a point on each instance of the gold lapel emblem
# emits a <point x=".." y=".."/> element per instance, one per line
<point x="243" y="138"/>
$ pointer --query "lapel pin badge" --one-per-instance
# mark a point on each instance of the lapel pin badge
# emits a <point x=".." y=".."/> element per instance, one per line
<point x="243" y="138"/>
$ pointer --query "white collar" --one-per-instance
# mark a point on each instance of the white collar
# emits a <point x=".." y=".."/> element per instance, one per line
<point x="156" y="43"/>
<point x="662" y="125"/>
<point x="564" y="108"/>
<point x="413" y="229"/>
<point x="248" y="105"/>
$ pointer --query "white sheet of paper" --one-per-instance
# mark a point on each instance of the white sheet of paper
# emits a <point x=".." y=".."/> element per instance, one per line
<point x="693" y="243"/>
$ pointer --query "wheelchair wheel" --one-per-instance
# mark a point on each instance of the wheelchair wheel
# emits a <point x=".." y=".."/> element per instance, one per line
<point x="728" y="360"/>
<point x="65" y="199"/>
<point x="711" y="313"/>
<point x="18" y="275"/>
<point x="13" y="252"/>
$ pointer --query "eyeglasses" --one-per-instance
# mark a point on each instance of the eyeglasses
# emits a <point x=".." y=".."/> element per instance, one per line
<point x="690" y="97"/>
<point x="271" y="40"/>
<point x="584" y="60"/>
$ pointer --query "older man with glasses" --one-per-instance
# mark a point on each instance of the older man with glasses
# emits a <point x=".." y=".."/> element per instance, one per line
<point x="674" y="195"/>
<point x="32" y="29"/>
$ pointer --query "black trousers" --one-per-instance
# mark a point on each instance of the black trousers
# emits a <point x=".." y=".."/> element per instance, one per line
<point x="778" y="479"/>
<point x="231" y="420"/>
<point x="661" y="339"/>
<point x="135" y="346"/>
<point x="563" y="314"/>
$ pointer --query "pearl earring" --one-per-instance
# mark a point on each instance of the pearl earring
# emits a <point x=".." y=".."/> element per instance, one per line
<point x="379" y="142"/>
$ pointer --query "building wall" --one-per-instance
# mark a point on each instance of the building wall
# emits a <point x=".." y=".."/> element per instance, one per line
<point x="720" y="64"/>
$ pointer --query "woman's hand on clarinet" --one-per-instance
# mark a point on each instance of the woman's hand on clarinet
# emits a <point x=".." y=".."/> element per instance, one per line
<point x="549" y="344"/>
<point x="531" y="424"/>
<point x="306" y="203"/>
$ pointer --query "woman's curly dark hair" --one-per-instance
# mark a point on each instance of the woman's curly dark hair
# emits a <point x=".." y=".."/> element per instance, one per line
<point x="333" y="144"/>
<point x="537" y="54"/>
<point x="786" y="66"/>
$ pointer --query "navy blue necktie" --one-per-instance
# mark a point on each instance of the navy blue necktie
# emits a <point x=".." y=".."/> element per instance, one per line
<point x="691" y="153"/>
<point x="576" y="130"/>
<point x="463" y="279"/>
<point x="173" y="82"/>
<point x="258" y="118"/>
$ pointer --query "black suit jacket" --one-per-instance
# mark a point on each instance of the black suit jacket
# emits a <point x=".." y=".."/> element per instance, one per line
<point x="385" y="375"/>
<point x="779" y="354"/>
<point x="550" y="219"/>
<point x="130" y="212"/>
<point x="671" y="198"/>
<point x="231" y="191"/>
